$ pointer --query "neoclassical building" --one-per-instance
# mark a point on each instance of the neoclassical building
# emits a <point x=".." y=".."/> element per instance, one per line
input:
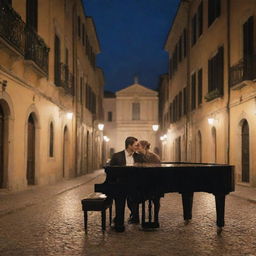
<point x="130" y="112"/>
<point x="51" y="93"/>
<point x="208" y="99"/>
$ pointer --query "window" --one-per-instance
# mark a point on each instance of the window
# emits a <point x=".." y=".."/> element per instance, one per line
<point x="184" y="43"/>
<point x="57" y="61"/>
<point x="248" y="54"/>
<point x="193" y="30"/>
<point x="175" y="59"/>
<point x="180" y="49"/>
<point x="83" y="34"/>
<point x="81" y="90"/>
<point x="135" y="111"/>
<point x="32" y="14"/>
<point x="215" y="73"/>
<point x="200" y="86"/>
<point x="197" y="24"/>
<point x="79" y="26"/>
<point x="110" y="116"/>
<point x="51" y="142"/>
<point x="170" y="68"/>
<point x="185" y="105"/>
<point x="200" y="19"/>
<point x="180" y="104"/>
<point x="193" y="91"/>
<point x="214" y="9"/>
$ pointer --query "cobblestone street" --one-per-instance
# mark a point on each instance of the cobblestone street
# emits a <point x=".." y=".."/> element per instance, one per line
<point x="55" y="227"/>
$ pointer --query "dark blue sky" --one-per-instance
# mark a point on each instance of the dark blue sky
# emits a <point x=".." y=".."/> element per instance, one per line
<point x="132" y="34"/>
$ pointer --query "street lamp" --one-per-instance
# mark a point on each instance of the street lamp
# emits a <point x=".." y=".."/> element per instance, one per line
<point x="69" y="115"/>
<point x="101" y="127"/>
<point x="155" y="127"/>
<point x="106" y="138"/>
<point x="211" y="121"/>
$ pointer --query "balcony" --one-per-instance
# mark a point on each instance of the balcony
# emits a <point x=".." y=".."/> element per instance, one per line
<point x="12" y="30"/>
<point x="66" y="79"/>
<point x="213" y="95"/>
<point x="36" y="51"/>
<point x="242" y="72"/>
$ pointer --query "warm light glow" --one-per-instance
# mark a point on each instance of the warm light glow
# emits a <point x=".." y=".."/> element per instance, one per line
<point x="155" y="127"/>
<point x="101" y="127"/>
<point x="210" y="121"/>
<point x="69" y="115"/>
<point x="106" y="138"/>
<point x="164" y="137"/>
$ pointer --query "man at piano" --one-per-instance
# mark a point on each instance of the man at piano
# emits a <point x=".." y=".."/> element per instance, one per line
<point x="129" y="157"/>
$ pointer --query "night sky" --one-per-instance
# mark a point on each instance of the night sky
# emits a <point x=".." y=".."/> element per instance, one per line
<point x="132" y="34"/>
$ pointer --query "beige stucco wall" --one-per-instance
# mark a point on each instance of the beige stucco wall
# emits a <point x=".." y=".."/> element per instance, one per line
<point x="240" y="99"/>
<point x="123" y="125"/>
<point x="29" y="90"/>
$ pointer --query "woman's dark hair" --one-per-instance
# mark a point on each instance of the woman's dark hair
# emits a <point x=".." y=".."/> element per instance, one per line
<point x="145" y="144"/>
<point x="130" y="141"/>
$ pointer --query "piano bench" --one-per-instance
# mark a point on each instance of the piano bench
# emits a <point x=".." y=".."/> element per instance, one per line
<point x="97" y="202"/>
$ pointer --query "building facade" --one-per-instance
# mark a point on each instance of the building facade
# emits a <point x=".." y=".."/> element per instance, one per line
<point x="209" y="113"/>
<point x="130" y="112"/>
<point x="50" y="92"/>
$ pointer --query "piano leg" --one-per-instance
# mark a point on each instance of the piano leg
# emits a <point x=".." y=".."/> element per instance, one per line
<point x="220" y="211"/>
<point x="156" y="202"/>
<point x="120" y="209"/>
<point x="187" y="202"/>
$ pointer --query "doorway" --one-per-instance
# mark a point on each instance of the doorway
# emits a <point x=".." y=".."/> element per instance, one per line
<point x="31" y="146"/>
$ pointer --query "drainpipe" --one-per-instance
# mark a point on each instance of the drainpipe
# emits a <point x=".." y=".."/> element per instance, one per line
<point x="228" y="64"/>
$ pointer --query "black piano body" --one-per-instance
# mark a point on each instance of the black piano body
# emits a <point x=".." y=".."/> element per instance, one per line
<point x="182" y="177"/>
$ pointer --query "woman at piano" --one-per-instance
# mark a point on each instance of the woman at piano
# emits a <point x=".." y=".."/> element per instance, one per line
<point x="150" y="157"/>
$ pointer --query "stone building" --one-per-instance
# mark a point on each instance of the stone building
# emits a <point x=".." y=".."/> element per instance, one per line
<point x="50" y="92"/>
<point x="209" y="113"/>
<point x="130" y="112"/>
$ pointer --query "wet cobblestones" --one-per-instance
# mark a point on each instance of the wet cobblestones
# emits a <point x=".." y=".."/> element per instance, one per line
<point x="55" y="227"/>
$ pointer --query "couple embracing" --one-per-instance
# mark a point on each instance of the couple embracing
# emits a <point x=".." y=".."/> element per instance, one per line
<point x="136" y="152"/>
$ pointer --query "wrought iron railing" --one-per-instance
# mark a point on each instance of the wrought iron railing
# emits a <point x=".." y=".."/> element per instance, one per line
<point x="12" y="28"/>
<point x="67" y="79"/>
<point x="245" y="69"/>
<point x="36" y="50"/>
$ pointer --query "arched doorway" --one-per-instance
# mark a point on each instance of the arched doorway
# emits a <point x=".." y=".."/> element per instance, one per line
<point x="31" y="146"/>
<point x="214" y="145"/>
<point x="2" y="136"/>
<point x="65" y="152"/>
<point x="245" y="152"/>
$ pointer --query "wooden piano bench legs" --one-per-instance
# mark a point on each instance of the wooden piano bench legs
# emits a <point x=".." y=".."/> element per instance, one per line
<point x="97" y="202"/>
<point x="150" y="223"/>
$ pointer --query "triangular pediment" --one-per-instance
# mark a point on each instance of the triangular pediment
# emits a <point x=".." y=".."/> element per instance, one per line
<point x="136" y="90"/>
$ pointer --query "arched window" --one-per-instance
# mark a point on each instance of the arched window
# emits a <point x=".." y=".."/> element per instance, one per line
<point x="245" y="152"/>
<point x="51" y="140"/>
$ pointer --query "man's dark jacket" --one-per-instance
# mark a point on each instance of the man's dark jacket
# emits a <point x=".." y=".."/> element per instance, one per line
<point x="119" y="158"/>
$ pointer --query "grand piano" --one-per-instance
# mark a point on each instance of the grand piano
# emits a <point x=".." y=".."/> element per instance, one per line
<point x="145" y="181"/>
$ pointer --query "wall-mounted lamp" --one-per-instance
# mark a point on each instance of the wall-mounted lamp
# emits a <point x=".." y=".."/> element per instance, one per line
<point x="155" y="127"/>
<point x="69" y="115"/>
<point x="212" y="121"/>
<point x="106" y="138"/>
<point x="101" y="127"/>
<point x="164" y="137"/>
